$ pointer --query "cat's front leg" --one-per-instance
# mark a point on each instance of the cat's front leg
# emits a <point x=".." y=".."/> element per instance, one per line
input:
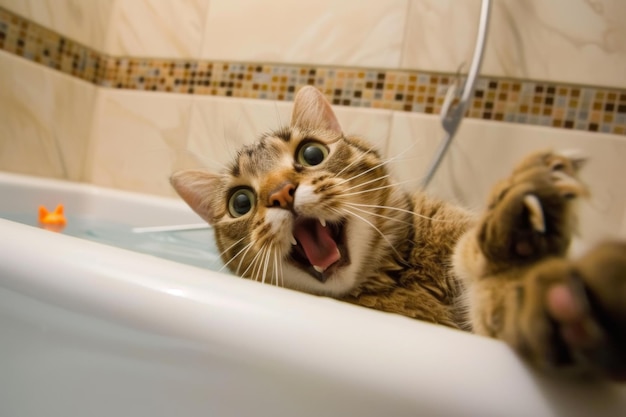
<point x="530" y="216"/>
<point x="521" y="289"/>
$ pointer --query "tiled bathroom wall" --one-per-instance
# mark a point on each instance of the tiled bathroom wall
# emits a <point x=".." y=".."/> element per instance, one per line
<point x="45" y="120"/>
<point x="122" y="92"/>
<point x="579" y="41"/>
<point x="85" y="21"/>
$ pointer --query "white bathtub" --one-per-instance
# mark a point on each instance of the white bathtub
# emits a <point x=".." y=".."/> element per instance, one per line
<point x="93" y="330"/>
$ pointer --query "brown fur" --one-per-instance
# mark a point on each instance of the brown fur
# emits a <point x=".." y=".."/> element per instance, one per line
<point x="421" y="286"/>
<point x="499" y="275"/>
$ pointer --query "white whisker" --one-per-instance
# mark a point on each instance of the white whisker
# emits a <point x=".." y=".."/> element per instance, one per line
<point x="367" y="171"/>
<point x="282" y="276"/>
<point x="275" y="278"/>
<point x="252" y="263"/>
<point x="268" y="252"/>
<point x="231" y="246"/>
<point x="375" y="228"/>
<point x="245" y="248"/>
<point x="262" y="264"/>
<point x="382" y="187"/>
<point x="380" y="215"/>
<point x="367" y="182"/>
<point x="401" y="210"/>
<point x="258" y="266"/>
<point x="360" y="157"/>
<point x="382" y="163"/>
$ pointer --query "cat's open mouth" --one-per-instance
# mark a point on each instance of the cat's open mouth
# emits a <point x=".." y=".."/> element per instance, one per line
<point x="319" y="247"/>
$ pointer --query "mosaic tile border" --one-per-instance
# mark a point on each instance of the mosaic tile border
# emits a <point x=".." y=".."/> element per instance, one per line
<point x="566" y="106"/>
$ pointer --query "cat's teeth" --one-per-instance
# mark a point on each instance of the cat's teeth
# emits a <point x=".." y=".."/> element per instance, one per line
<point x="322" y="222"/>
<point x="319" y="269"/>
<point x="294" y="242"/>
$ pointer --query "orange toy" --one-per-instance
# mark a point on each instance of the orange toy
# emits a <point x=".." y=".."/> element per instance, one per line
<point x="54" y="220"/>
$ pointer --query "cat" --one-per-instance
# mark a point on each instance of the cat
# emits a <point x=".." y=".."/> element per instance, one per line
<point x="309" y="208"/>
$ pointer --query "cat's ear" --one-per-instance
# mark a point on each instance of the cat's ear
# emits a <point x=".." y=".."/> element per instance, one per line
<point x="197" y="188"/>
<point x="311" y="110"/>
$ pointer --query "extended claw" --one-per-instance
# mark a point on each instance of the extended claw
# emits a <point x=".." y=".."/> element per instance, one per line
<point x="536" y="217"/>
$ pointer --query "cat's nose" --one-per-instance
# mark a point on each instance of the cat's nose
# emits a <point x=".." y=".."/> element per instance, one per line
<point x="282" y="196"/>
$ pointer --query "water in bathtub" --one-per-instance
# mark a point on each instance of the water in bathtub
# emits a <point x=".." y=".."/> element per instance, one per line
<point x="194" y="247"/>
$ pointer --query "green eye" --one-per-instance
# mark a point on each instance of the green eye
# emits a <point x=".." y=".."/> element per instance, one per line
<point x="240" y="202"/>
<point x="311" y="154"/>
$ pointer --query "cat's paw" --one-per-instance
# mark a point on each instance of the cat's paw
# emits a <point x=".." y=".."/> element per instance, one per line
<point x="530" y="215"/>
<point x="573" y="314"/>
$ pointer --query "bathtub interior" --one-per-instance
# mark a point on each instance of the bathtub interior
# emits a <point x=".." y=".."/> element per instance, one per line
<point x="115" y="218"/>
<point x="93" y="329"/>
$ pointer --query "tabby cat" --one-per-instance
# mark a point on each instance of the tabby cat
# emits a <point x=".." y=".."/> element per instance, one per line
<point x="311" y="209"/>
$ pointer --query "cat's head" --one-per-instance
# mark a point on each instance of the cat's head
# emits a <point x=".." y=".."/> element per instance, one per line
<point x="304" y="207"/>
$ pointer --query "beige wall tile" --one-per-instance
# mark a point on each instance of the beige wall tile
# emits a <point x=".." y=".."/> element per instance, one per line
<point x="363" y="33"/>
<point x="83" y="21"/>
<point x="483" y="152"/>
<point x="440" y="34"/>
<point x="220" y="126"/>
<point x="138" y="140"/>
<point x="371" y="124"/>
<point x="45" y="119"/>
<point x="573" y="41"/>
<point x="157" y="28"/>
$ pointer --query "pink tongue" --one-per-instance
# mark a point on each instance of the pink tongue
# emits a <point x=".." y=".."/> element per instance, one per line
<point x="318" y="244"/>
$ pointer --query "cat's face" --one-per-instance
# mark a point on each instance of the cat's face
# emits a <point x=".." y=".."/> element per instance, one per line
<point x="302" y="207"/>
